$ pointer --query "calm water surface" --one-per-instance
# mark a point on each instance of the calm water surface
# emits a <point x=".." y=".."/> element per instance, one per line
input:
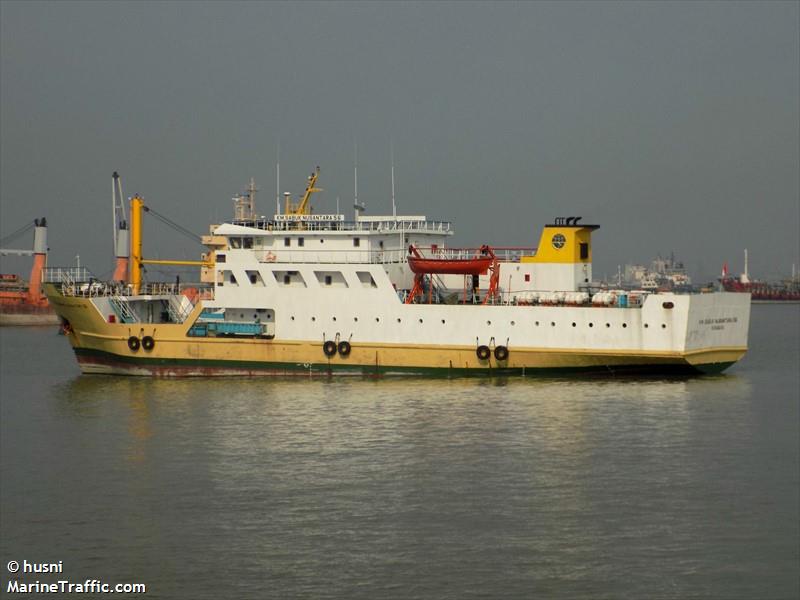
<point x="406" y="488"/>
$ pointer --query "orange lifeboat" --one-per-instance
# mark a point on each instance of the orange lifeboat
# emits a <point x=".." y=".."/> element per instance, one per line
<point x="475" y="265"/>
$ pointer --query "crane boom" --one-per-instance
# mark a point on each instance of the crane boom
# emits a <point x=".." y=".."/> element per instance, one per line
<point x="302" y="208"/>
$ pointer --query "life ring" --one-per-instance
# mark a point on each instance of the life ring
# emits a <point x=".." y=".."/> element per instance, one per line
<point x="344" y="347"/>
<point x="483" y="352"/>
<point x="270" y="257"/>
<point x="501" y="353"/>
<point x="148" y="343"/>
<point x="329" y="348"/>
<point x="133" y="343"/>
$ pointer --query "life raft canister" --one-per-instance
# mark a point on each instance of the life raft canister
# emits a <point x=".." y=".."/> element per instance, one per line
<point x="483" y="352"/>
<point x="133" y="343"/>
<point x="344" y="347"/>
<point x="501" y="353"/>
<point x="329" y="348"/>
<point x="148" y="343"/>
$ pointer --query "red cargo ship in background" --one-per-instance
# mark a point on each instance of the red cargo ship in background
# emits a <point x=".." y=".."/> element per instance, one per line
<point x="24" y="303"/>
<point x="787" y="290"/>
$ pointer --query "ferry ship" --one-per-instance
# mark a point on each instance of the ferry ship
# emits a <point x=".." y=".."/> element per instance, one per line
<point x="303" y="293"/>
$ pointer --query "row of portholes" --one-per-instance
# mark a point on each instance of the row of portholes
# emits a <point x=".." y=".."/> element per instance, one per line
<point x="574" y="324"/>
<point x="536" y="323"/>
<point x="377" y="320"/>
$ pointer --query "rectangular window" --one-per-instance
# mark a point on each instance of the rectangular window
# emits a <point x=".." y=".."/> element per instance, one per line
<point x="247" y="242"/>
<point x="289" y="278"/>
<point x="301" y="241"/>
<point x="527" y="277"/>
<point x="331" y="278"/>
<point x="287" y="241"/>
<point x="584" y="251"/>
<point x="356" y="242"/>
<point x="221" y="258"/>
<point x="255" y="278"/>
<point x="366" y="279"/>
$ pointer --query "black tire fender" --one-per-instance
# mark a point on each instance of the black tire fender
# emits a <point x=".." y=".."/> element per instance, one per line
<point x="483" y="352"/>
<point x="133" y="343"/>
<point x="329" y="348"/>
<point x="344" y="347"/>
<point x="501" y="353"/>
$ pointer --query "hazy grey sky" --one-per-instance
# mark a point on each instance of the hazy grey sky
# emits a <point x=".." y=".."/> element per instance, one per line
<point x="675" y="126"/>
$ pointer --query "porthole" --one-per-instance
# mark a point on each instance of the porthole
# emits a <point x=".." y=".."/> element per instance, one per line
<point x="420" y="320"/>
<point x="377" y="319"/>
<point x="488" y="322"/>
<point x="663" y="326"/>
<point x="313" y="318"/>
<point x="552" y="323"/>
<point x="591" y="324"/>
<point x="608" y="324"/>
<point x="646" y="325"/>
<point x="292" y="318"/>
<point x="442" y="321"/>
<point x="513" y="323"/>
<point x="355" y="319"/>
<point x="399" y="319"/>
<point x="624" y="324"/>
<point x="537" y="323"/>
<point x="573" y="324"/>
<point x="334" y="318"/>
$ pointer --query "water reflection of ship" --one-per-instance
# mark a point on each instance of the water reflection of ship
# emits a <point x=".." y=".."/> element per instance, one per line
<point x="786" y="290"/>
<point x="131" y="402"/>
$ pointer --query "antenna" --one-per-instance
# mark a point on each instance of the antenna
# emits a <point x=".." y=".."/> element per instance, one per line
<point x="278" y="181"/>
<point x="358" y="207"/>
<point x="355" y="178"/>
<point x="394" y="206"/>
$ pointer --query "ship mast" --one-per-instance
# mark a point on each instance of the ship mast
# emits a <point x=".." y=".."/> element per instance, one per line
<point x="745" y="278"/>
<point x="121" y="237"/>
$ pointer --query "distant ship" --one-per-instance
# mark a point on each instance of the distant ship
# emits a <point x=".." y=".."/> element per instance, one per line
<point x="663" y="275"/>
<point x="315" y="294"/>
<point x="787" y="290"/>
<point x="21" y="302"/>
